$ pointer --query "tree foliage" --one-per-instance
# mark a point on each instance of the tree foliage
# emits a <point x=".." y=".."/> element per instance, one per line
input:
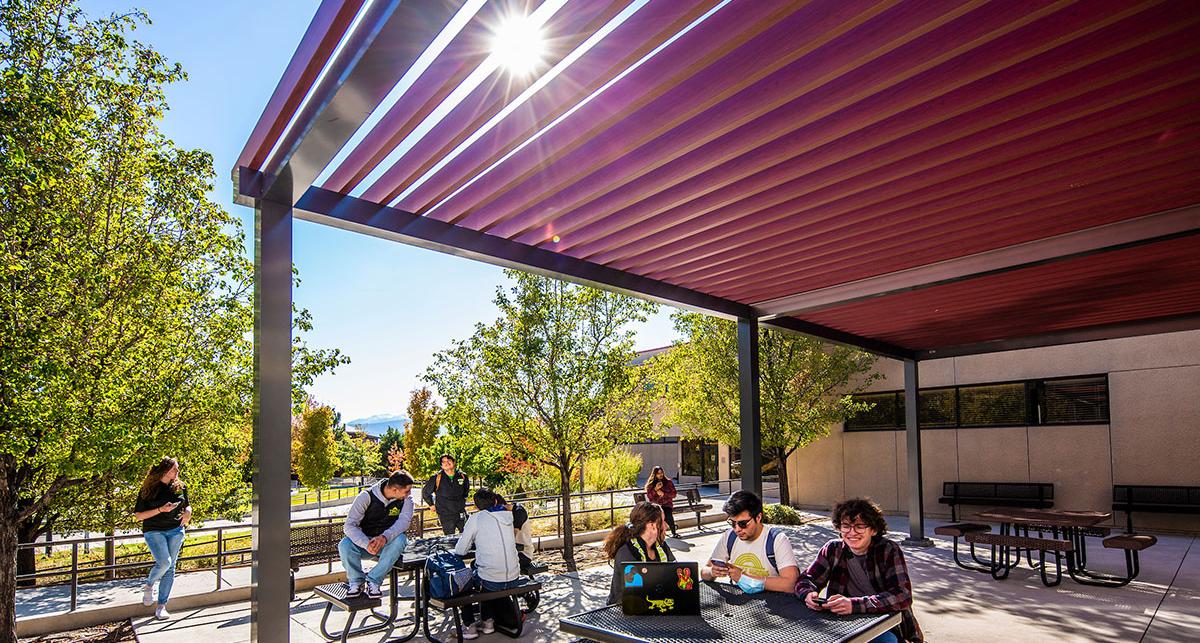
<point x="391" y="438"/>
<point x="804" y="386"/>
<point x="317" y="461"/>
<point x="422" y="429"/>
<point x="126" y="310"/>
<point x="551" y="380"/>
<point x="357" y="454"/>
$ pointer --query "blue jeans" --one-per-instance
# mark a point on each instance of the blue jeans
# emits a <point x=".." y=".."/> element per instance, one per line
<point x="886" y="637"/>
<point x="352" y="556"/>
<point x="164" y="547"/>
<point x="485" y="609"/>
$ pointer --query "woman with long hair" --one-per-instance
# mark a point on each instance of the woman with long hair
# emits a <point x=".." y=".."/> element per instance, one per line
<point x="642" y="540"/>
<point x="162" y="506"/>
<point x="661" y="491"/>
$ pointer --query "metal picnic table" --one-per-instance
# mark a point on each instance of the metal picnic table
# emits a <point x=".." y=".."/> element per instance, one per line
<point x="1075" y="526"/>
<point x="729" y="614"/>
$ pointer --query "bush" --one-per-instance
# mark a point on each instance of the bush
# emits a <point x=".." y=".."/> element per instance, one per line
<point x="778" y="514"/>
<point x="617" y="470"/>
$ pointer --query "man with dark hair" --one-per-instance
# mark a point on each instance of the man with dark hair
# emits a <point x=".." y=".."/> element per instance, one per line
<point x="490" y="530"/>
<point x="446" y="491"/>
<point x="374" y="528"/>
<point x="864" y="571"/>
<point x="750" y="555"/>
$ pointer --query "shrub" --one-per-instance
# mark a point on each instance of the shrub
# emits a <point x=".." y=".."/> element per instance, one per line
<point x="617" y="470"/>
<point x="778" y="514"/>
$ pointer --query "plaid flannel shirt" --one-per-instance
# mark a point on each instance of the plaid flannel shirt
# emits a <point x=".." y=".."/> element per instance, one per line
<point x="885" y="569"/>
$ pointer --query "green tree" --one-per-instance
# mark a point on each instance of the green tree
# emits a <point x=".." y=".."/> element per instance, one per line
<point x="804" y="386"/>
<point x="551" y="380"/>
<point x="318" y="459"/>
<point x="474" y="454"/>
<point x="422" y="429"/>
<point x="357" y="454"/>
<point x="126" y="310"/>
<point x="393" y="437"/>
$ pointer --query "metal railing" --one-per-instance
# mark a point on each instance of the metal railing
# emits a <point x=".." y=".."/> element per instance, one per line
<point x="541" y="508"/>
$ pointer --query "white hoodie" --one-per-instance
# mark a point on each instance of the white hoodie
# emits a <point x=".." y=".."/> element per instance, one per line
<point x="495" y="547"/>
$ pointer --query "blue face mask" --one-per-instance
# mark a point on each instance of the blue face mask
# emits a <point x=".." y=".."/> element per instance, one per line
<point x="749" y="584"/>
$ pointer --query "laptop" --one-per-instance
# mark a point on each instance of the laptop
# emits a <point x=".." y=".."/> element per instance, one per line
<point x="661" y="588"/>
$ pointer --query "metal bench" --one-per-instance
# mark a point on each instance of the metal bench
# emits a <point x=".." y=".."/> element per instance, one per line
<point x="1032" y="495"/>
<point x="1154" y="498"/>
<point x="960" y="530"/>
<point x="503" y="601"/>
<point x="686" y="499"/>
<point x="310" y="544"/>
<point x="1002" y="563"/>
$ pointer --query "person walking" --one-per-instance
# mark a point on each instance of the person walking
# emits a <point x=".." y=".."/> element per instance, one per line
<point x="446" y="491"/>
<point x="162" y="506"/>
<point x="661" y="491"/>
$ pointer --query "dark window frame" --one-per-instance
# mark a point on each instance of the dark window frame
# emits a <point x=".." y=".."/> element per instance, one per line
<point x="1035" y="409"/>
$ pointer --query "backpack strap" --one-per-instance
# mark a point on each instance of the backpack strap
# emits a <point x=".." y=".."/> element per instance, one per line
<point x="730" y="538"/>
<point x="438" y="484"/>
<point x="772" y="534"/>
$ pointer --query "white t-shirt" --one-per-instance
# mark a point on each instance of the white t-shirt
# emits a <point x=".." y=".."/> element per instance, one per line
<point x="751" y="556"/>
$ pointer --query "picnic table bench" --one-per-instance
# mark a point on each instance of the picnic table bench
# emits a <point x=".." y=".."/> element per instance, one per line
<point x="1002" y="547"/>
<point x="509" y="617"/>
<point x="1029" y="495"/>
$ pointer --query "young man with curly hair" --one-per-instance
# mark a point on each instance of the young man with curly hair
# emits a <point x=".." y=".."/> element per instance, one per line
<point x="864" y="571"/>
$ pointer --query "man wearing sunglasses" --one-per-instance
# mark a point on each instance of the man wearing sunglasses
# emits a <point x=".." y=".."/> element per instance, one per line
<point x="753" y="556"/>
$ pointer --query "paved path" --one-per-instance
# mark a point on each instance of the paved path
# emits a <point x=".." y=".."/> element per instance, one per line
<point x="952" y="604"/>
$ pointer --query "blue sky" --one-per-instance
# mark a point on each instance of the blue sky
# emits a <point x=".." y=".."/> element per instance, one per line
<point x="386" y="305"/>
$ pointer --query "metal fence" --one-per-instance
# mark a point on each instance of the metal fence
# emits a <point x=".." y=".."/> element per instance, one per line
<point x="228" y="556"/>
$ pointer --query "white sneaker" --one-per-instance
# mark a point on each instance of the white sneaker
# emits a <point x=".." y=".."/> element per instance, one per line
<point x="147" y="595"/>
<point x="489" y="626"/>
<point x="373" y="590"/>
<point x="161" y="613"/>
<point x="469" y="632"/>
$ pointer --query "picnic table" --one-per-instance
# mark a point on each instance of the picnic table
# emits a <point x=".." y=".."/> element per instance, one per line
<point x="729" y="614"/>
<point x="1074" y="526"/>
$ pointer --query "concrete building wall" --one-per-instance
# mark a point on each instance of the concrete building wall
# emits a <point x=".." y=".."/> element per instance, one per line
<point x="1153" y="434"/>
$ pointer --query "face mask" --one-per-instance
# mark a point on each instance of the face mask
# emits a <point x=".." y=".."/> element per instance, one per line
<point x="749" y="584"/>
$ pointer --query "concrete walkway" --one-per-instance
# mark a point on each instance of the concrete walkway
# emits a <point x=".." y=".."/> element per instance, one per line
<point x="952" y="604"/>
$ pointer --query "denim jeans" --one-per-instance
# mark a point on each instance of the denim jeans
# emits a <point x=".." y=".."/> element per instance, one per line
<point x="164" y="546"/>
<point x="352" y="556"/>
<point x="485" y="609"/>
<point x="886" y="637"/>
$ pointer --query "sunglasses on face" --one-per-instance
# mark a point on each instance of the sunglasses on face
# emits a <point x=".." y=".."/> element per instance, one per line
<point x="740" y="524"/>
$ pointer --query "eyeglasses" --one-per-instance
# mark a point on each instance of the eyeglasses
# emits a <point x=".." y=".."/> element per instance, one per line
<point x="857" y="528"/>
<point x="740" y="524"/>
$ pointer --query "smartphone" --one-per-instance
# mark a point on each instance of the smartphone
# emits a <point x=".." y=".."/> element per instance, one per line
<point x="719" y="563"/>
<point x="820" y="601"/>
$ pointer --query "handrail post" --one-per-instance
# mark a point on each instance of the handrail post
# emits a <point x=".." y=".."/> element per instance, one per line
<point x="612" y="509"/>
<point x="220" y="554"/>
<point x="74" y="576"/>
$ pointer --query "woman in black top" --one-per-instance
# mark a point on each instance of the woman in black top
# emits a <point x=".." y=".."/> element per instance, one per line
<point x="642" y="539"/>
<point x="162" y="506"/>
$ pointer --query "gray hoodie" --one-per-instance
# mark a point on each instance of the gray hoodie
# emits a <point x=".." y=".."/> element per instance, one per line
<point x="495" y="545"/>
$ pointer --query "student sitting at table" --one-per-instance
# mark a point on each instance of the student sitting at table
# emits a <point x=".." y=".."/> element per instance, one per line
<point x="490" y="530"/>
<point x="642" y="539"/>
<point x="864" y="571"/>
<point x="752" y="556"/>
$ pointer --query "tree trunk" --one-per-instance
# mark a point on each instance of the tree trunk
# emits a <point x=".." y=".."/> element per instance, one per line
<point x="568" y="528"/>
<point x="781" y="465"/>
<point x="27" y="532"/>
<point x="8" y="555"/>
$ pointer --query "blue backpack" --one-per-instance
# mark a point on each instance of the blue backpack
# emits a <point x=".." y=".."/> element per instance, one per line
<point x="448" y="575"/>
<point x="772" y="534"/>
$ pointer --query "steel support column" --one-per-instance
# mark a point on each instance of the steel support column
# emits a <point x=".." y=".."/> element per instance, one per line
<point x="912" y="429"/>
<point x="269" y="587"/>
<point x="748" y="404"/>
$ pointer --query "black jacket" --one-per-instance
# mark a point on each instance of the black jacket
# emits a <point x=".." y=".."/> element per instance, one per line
<point x="162" y="521"/>
<point x="449" y="496"/>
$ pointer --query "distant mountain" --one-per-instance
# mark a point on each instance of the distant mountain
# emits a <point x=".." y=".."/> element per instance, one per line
<point x="378" y="424"/>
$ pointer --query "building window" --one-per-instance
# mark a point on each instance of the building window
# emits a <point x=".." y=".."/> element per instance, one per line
<point x="1068" y="400"/>
<point x="699" y="458"/>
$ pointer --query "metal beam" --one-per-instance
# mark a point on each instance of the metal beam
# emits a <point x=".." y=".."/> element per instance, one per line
<point x="912" y="433"/>
<point x="825" y="333"/>
<point x="388" y="40"/>
<point x="271" y="514"/>
<point x="1105" y="238"/>
<point x="748" y="405"/>
<point x="1155" y="326"/>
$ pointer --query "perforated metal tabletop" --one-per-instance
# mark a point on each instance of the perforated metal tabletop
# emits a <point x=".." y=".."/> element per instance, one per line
<point x="728" y="614"/>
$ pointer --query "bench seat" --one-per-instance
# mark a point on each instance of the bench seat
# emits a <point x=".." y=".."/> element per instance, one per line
<point x="960" y="529"/>
<point x="1021" y="542"/>
<point x="1133" y="542"/>
<point x="336" y="593"/>
<point x="1002" y="562"/>
<point x="479" y="597"/>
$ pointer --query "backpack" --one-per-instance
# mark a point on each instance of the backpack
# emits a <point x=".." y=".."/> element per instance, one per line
<point x="448" y="575"/>
<point x="772" y="534"/>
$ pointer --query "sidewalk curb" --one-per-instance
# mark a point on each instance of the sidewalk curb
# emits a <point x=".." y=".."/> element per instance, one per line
<point x="63" y="621"/>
